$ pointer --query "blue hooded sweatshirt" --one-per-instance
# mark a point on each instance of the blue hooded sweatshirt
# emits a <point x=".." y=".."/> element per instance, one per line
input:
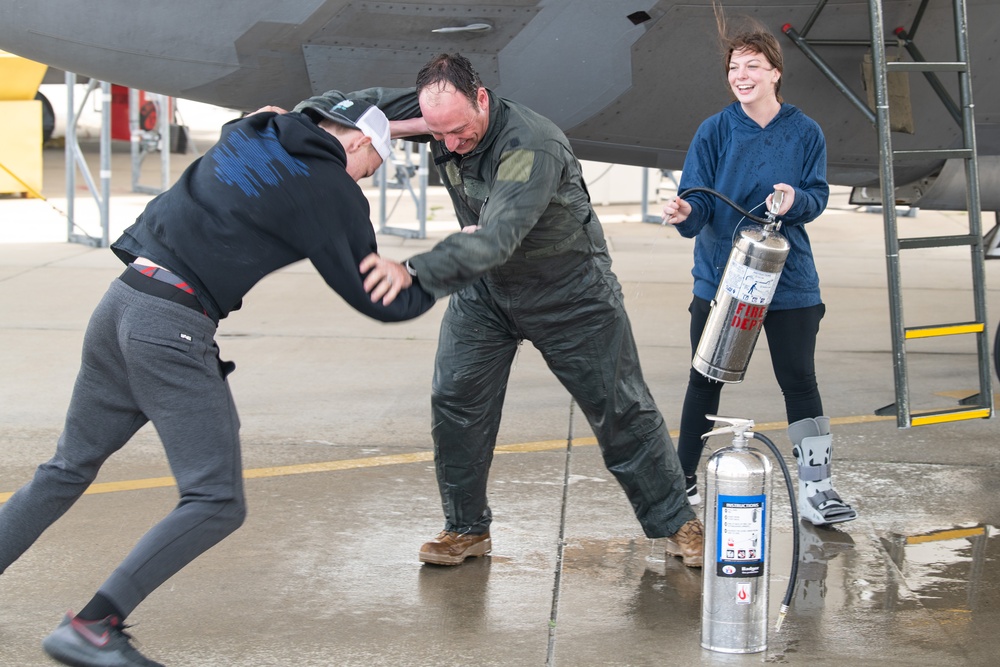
<point x="735" y="156"/>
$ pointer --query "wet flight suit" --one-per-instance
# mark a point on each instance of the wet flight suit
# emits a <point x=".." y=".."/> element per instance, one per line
<point x="274" y="190"/>
<point x="537" y="269"/>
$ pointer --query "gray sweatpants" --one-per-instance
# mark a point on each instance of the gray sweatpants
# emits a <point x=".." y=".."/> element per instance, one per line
<point x="144" y="359"/>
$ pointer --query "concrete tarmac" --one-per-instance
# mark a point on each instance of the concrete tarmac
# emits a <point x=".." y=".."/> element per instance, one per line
<point x="340" y="482"/>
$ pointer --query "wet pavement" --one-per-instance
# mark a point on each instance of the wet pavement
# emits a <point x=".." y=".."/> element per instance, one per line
<point x="337" y="450"/>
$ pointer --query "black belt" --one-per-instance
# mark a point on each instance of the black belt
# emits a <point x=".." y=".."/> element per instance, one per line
<point x="160" y="289"/>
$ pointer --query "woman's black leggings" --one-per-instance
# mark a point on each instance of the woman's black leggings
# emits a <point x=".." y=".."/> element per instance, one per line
<point x="791" y="338"/>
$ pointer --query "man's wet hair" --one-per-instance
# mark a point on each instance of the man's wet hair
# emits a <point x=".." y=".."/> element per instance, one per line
<point x="452" y="68"/>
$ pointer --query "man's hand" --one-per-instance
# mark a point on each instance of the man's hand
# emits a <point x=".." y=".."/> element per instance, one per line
<point x="385" y="279"/>
<point x="274" y="109"/>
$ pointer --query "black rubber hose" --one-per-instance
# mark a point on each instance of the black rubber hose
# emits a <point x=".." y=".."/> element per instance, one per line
<point x="793" y="575"/>
<point x="729" y="201"/>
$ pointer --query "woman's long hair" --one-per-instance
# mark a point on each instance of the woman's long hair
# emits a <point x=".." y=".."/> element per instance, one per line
<point x="751" y="35"/>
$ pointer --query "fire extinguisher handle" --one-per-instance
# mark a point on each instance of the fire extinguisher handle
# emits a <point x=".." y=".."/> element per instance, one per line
<point x="737" y="426"/>
<point x="777" y="197"/>
<point x="718" y="431"/>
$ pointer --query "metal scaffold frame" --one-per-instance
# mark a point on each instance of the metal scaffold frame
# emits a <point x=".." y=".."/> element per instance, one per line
<point x="402" y="172"/>
<point x="75" y="158"/>
<point x="143" y="142"/>
<point x="979" y="405"/>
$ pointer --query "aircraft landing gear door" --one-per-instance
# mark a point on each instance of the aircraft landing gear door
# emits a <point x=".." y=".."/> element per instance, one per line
<point x="21" y="129"/>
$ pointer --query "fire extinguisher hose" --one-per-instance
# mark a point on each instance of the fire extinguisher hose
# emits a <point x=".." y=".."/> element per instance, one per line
<point x="793" y="574"/>
<point x="727" y="200"/>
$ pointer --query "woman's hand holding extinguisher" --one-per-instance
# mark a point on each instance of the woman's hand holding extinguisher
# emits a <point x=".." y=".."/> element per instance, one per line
<point x="785" y="200"/>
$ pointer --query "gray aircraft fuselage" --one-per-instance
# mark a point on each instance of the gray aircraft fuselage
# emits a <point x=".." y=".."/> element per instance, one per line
<point x="628" y="81"/>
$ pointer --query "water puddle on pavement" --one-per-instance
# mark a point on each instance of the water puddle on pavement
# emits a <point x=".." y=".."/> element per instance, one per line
<point x="951" y="570"/>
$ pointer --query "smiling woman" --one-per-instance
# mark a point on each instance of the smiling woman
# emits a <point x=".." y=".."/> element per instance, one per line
<point x="755" y="84"/>
<point x="754" y="149"/>
<point x="755" y="64"/>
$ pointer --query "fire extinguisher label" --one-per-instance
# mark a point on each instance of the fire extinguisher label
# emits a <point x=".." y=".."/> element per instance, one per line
<point x="740" y="535"/>
<point x="750" y="285"/>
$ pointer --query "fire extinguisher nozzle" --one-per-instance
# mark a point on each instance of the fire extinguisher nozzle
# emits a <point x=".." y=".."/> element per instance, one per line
<point x="781" y="617"/>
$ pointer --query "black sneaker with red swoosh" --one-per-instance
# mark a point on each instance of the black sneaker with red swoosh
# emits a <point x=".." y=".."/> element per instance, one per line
<point x="102" y="643"/>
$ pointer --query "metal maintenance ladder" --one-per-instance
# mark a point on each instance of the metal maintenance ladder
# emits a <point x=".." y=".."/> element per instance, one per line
<point x="978" y="406"/>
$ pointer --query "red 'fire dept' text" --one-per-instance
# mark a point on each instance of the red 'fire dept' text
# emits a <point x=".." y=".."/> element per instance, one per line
<point x="747" y="317"/>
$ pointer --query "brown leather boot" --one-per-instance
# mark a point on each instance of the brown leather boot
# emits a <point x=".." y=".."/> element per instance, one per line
<point x="688" y="543"/>
<point x="451" y="548"/>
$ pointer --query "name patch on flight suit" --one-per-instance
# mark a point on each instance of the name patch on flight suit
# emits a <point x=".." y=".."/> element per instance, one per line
<point x="515" y="166"/>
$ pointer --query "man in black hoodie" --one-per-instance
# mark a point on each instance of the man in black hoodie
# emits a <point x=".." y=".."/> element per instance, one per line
<point x="277" y="188"/>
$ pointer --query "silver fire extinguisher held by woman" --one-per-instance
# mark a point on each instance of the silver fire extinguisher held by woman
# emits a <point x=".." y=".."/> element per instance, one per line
<point x="741" y="301"/>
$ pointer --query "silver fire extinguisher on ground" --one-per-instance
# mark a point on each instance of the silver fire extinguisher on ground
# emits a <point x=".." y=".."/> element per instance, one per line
<point x="734" y="601"/>
<point x="741" y="301"/>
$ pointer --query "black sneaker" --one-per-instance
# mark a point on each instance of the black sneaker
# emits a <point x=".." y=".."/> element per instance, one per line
<point x="101" y="643"/>
<point x="691" y="484"/>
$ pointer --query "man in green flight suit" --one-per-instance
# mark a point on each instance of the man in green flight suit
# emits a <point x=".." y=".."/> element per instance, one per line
<point x="531" y="265"/>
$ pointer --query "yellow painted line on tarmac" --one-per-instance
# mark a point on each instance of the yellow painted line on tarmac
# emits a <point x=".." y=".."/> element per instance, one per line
<point x="952" y="534"/>
<point x="398" y="459"/>
<point x="330" y="466"/>
<point x="542" y="445"/>
<point x="114" y="487"/>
